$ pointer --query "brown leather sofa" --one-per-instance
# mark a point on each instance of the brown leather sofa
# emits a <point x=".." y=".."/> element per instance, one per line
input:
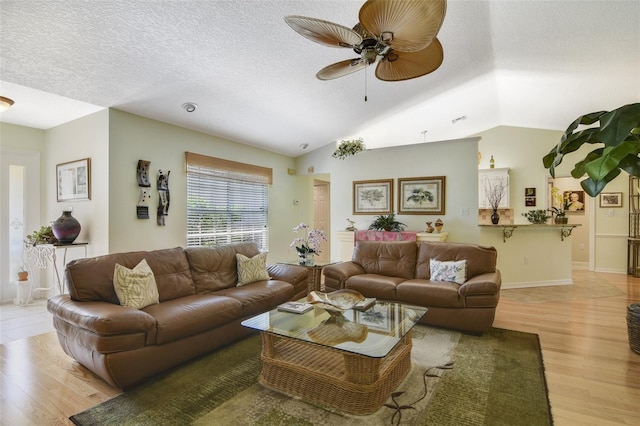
<point x="200" y="309"/>
<point x="400" y="271"/>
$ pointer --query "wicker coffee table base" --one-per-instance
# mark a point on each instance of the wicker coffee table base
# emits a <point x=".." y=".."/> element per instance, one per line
<point x="350" y="383"/>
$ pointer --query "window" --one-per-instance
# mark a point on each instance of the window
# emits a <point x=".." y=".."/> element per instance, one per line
<point x="227" y="202"/>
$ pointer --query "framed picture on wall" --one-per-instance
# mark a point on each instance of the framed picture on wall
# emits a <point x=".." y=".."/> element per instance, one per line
<point x="611" y="199"/>
<point x="573" y="202"/>
<point x="421" y="195"/>
<point x="373" y="196"/>
<point x="73" y="180"/>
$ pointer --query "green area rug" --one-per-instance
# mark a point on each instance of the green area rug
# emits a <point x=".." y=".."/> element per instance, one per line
<point x="494" y="379"/>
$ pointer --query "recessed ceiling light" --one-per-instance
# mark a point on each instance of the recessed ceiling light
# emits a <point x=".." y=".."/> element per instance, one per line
<point x="189" y="106"/>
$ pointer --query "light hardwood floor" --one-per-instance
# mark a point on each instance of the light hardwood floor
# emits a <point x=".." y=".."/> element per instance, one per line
<point x="592" y="374"/>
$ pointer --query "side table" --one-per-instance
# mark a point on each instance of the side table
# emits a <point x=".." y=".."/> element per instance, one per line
<point x="40" y="255"/>
<point x="315" y="272"/>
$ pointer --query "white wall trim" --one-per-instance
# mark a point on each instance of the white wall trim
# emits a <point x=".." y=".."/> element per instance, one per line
<point x="528" y="284"/>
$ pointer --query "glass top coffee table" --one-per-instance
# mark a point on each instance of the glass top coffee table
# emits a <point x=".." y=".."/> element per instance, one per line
<point x="350" y="361"/>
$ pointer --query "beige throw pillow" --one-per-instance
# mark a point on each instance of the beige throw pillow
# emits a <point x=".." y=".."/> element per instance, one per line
<point x="251" y="269"/>
<point x="135" y="288"/>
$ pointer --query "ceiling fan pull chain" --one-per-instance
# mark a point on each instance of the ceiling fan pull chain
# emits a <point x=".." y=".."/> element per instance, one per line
<point x="365" y="82"/>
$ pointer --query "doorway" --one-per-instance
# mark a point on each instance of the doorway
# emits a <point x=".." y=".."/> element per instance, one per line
<point x="322" y="215"/>
<point x="567" y="188"/>
<point x="19" y="213"/>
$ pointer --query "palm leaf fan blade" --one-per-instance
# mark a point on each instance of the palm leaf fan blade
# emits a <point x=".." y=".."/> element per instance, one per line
<point x="340" y="69"/>
<point x="323" y="32"/>
<point x="413" y="24"/>
<point x="399" y="66"/>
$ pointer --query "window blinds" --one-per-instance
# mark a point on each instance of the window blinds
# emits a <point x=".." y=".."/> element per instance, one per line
<point x="227" y="202"/>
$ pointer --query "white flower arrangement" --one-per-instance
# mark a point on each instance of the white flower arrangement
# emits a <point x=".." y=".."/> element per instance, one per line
<point x="347" y="148"/>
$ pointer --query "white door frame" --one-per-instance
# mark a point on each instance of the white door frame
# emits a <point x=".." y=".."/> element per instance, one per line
<point x="31" y="221"/>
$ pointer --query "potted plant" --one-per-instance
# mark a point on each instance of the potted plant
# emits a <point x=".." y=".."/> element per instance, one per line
<point x="560" y="216"/>
<point x="537" y="217"/>
<point x="495" y="191"/>
<point x="347" y="148"/>
<point x="617" y="139"/>
<point x="23" y="274"/>
<point x="42" y="236"/>
<point x="387" y="223"/>
<point x="309" y="245"/>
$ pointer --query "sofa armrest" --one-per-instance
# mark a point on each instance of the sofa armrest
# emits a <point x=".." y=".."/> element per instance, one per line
<point x="102" y="318"/>
<point x="483" y="284"/>
<point x="336" y="274"/>
<point x="290" y="273"/>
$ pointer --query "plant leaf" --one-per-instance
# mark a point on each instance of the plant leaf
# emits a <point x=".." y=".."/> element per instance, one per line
<point x="610" y="159"/>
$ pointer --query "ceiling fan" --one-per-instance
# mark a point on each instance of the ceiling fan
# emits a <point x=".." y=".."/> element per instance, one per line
<point x="399" y="35"/>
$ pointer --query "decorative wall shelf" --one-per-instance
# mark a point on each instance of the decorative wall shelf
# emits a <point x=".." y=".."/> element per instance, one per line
<point x="507" y="230"/>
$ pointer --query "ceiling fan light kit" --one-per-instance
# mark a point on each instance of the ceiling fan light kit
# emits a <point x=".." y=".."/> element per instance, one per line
<point x="399" y="35"/>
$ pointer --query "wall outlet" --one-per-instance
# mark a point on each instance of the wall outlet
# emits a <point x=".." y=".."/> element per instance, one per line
<point x="464" y="211"/>
<point x="581" y="246"/>
<point x="526" y="260"/>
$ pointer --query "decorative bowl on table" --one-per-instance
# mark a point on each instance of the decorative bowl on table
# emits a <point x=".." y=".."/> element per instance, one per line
<point x="336" y="301"/>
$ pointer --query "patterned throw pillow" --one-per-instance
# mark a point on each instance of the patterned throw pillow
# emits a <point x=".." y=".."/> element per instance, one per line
<point x="448" y="271"/>
<point x="135" y="288"/>
<point x="252" y="269"/>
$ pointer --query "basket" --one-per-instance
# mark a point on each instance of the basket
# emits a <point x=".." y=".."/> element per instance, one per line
<point x="633" y="326"/>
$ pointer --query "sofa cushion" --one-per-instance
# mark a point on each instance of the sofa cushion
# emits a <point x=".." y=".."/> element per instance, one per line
<point x="251" y="269"/>
<point x="214" y="268"/>
<point x="479" y="259"/>
<point x="374" y="285"/>
<point x="92" y="279"/>
<point x="135" y="288"/>
<point x="190" y="315"/>
<point x="391" y="258"/>
<point x="259" y="296"/>
<point x="429" y="293"/>
<point x="453" y="271"/>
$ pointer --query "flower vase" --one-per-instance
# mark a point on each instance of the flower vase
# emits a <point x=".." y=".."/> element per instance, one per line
<point x="307" y="259"/>
<point x="310" y="259"/>
<point x="495" y="217"/>
<point x="66" y="228"/>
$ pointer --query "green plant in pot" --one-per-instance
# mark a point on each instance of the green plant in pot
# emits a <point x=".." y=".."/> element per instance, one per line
<point x="560" y="215"/>
<point x="44" y="235"/>
<point x="537" y="217"/>
<point x="617" y="136"/>
<point x="387" y="223"/>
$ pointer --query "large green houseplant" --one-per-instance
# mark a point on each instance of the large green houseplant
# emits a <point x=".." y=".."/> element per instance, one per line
<point x="617" y="133"/>
<point x="387" y="223"/>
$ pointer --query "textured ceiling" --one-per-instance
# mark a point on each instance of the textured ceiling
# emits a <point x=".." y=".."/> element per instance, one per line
<point x="520" y="63"/>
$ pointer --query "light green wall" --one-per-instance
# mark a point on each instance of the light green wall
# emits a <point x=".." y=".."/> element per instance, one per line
<point x="86" y="137"/>
<point x="603" y="231"/>
<point x="456" y="160"/>
<point x="21" y="138"/>
<point x="115" y="141"/>
<point x="133" y="138"/>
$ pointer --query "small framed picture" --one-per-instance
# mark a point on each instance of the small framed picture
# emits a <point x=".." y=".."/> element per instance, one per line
<point x="422" y="195"/>
<point x="530" y="201"/>
<point x="373" y="196"/>
<point x="73" y="180"/>
<point x="611" y="199"/>
<point x="530" y="192"/>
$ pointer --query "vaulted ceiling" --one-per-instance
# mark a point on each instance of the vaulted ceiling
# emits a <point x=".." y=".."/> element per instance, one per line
<point x="523" y="63"/>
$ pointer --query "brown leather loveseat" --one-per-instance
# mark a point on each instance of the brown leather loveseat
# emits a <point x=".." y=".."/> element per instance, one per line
<point x="200" y="309"/>
<point x="401" y="271"/>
